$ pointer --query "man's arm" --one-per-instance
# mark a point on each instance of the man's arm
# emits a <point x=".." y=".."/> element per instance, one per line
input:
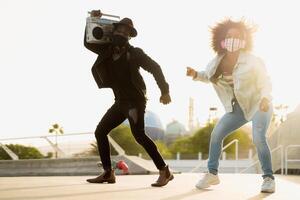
<point x="152" y="67"/>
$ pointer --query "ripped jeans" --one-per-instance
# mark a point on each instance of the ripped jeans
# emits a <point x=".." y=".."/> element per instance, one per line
<point x="114" y="116"/>
<point x="234" y="120"/>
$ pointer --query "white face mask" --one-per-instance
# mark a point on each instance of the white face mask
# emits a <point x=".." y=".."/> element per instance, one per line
<point x="233" y="44"/>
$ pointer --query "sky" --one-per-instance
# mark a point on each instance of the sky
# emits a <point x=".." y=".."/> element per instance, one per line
<point x="45" y="75"/>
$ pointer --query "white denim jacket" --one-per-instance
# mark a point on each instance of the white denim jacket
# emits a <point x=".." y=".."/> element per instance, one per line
<point x="251" y="83"/>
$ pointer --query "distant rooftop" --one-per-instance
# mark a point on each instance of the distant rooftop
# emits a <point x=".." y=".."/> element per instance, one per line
<point x="151" y="120"/>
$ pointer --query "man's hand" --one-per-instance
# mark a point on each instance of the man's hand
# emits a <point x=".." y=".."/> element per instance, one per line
<point x="191" y="72"/>
<point x="96" y="13"/>
<point x="264" y="105"/>
<point x="165" y="99"/>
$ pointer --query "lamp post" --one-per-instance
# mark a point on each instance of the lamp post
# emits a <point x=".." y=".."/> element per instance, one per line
<point x="282" y="110"/>
<point x="56" y="129"/>
<point x="212" y="114"/>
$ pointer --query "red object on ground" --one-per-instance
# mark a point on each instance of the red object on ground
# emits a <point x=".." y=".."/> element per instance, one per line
<point x="123" y="166"/>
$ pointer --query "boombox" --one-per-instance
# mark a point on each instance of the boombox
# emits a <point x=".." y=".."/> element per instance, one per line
<point x="99" y="28"/>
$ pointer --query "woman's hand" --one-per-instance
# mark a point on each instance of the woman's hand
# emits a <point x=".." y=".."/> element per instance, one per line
<point x="191" y="72"/>
<point x="264" y="105"/>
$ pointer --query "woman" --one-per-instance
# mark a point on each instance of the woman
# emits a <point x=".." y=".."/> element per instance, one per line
<point x="241" y="82"/>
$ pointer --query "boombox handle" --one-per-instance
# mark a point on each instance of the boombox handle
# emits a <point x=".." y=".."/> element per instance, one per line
<point x="107" y="15"/>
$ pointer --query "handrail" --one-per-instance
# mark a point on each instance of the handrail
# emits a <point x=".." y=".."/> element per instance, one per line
<point x="116" y="146"/>
<point x="273" y="150"/>
<point x="286" y="156"/>
<point x="9" y="152"/>
<point x="55" y="147"/>
<point x="42" y="136"/>
<point x="236" y="141"/>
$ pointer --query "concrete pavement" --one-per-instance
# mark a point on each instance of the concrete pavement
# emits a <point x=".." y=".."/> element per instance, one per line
<point x="232" y="186"/>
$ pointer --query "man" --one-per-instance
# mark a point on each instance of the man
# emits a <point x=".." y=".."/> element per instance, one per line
<point x="117" y="67"/>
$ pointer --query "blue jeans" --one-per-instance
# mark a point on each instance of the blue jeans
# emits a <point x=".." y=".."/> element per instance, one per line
<point x="234" y="120"/>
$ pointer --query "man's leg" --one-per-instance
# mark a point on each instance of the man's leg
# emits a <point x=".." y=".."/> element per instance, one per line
<point x="112" y="118"/>
<point x="136" y="119"/>
<point x="137" y="125"/>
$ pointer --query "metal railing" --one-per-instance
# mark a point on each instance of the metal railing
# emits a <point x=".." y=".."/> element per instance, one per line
<point x="45" y="137"/>
<point x="284" y="159"/>
<point x="286" y="156"/>
<point x="236" y="142"/>
<point x="272" y="151"/>
<point x="9" y="152"/>
<point x="116" y="146"/>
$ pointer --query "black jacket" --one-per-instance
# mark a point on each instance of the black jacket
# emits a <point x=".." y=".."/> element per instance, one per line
<point x="136" y="58"/>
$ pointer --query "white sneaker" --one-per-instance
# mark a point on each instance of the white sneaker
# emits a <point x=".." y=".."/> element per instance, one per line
<point x="268" y="185"/>
<point x="207" y="180"/>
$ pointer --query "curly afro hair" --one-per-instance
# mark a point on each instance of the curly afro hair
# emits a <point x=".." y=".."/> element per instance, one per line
<point x="220" y="30"/>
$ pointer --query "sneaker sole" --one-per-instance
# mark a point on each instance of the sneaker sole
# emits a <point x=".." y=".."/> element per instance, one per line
<point x="215" y="183"/>
<point x="109" y="182"/>
<point x="171" y="178"/>
<point x="267" y="191"/>
<point x="207" y="186"/>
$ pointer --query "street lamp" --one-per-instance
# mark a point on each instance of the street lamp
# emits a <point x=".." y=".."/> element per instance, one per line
<point x="212" y="114"/>
<point x="282" y="110"/>
<point x="56" y="129"/>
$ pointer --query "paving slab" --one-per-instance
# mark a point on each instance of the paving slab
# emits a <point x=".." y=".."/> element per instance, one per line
<point x="131" y="187"/>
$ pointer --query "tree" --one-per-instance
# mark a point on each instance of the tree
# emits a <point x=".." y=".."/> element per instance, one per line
<point x="123" y="136"/>
<point x="23" y="152"/>
<point x="245" y="143"/>
<point x="93" y="151"/>
<point x="193" y="144"/>
<point x="200" y="139"/>
<point x="163" y="149"/>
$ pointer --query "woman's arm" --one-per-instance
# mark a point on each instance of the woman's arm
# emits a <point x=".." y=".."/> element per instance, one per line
<point x="263" y="80"/>
<point x="197" y="75"/>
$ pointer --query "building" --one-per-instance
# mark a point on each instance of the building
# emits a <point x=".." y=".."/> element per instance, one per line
<point x="153" y="126"/>
<point x="174" y="130"/>
<point x="285" y="135"/>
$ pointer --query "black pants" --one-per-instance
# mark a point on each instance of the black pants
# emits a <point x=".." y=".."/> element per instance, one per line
<point x="114" y="117"/>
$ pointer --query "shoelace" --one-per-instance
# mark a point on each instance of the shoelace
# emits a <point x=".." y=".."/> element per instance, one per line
<point x="268" y="180"/>
<point x="206" y="176"/>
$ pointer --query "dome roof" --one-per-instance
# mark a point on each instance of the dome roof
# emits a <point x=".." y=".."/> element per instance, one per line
<point x="175" y="127"/>
<point x="151" y="120"/>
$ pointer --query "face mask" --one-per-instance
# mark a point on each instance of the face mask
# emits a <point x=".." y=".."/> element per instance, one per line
<point x="119" y="40"/>
<point x="233" y="44"/>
